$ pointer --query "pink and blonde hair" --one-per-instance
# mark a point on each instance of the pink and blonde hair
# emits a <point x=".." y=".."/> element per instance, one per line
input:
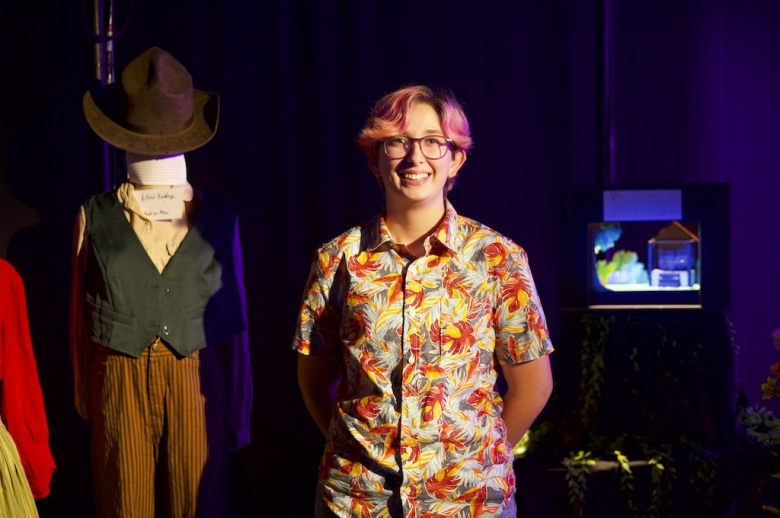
<point x="390" y="116"/>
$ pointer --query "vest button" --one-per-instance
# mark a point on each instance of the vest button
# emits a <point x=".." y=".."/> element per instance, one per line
<point x="166" y="330"/>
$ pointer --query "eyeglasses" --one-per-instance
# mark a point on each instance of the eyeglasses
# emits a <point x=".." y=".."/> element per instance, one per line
<point x="433" y="147"/>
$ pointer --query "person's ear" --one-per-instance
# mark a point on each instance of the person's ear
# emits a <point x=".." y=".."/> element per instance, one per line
<point x="374" y="169"/>
<point x="373" y="166"/>
<point x="458" y="159"/>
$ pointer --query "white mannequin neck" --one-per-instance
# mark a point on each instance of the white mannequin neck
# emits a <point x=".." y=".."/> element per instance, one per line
<point x="156" y="171"/>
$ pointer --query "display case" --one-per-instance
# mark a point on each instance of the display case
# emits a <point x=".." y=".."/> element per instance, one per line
<point x="647" y="247"/>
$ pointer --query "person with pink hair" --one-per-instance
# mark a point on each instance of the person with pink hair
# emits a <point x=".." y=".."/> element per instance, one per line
<point x="405" y="323"/>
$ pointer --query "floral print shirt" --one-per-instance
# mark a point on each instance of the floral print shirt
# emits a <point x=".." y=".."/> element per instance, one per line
<point x="416" y="430"/>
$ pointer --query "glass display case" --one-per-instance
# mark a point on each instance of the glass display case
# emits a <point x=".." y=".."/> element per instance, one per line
<point x="647" y="247"/>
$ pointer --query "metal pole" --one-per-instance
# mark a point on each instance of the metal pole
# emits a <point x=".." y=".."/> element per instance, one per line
<point x="104" y="72"/>
<point x="97" y="28"/>
<point x="110" y="44"/>
<point x="113" y="161"/>
<point x="606" y="93"/>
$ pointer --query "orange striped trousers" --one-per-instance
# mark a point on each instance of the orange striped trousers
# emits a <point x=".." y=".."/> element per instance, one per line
<point x="158" y="434"/>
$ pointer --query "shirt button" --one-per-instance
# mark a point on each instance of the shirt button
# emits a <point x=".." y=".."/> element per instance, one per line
<point x="166" y="330"/>
<point x="167" y="290"/>
<point x="155" y="346"/>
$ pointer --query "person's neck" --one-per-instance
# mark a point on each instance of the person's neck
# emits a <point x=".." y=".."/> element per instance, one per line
<point x="410" y="226"/>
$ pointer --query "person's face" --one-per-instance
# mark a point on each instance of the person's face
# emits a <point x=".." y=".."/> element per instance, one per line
<point x="416" y="179"/>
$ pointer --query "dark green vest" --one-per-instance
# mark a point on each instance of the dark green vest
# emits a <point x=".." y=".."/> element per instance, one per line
<point x="195" y="302"/>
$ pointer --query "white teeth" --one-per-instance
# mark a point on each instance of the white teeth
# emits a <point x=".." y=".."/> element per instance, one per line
<point x="419" y="176"/>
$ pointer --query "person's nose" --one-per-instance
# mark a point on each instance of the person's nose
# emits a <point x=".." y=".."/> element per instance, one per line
<point x="415" y="153"/>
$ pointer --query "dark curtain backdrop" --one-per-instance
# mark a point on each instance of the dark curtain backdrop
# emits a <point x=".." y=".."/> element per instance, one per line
<point x="296" y="80"/>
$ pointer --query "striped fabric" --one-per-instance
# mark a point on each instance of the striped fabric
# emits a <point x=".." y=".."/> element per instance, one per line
<point x="158" y="438"/>
<point x="16" y="498"/>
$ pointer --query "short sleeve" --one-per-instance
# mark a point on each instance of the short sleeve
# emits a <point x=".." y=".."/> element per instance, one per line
<point x="520" y="326"/>
<point x="319" y="319"/>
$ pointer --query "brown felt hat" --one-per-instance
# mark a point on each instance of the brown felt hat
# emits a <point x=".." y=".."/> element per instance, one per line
<point x="154" y="110"/>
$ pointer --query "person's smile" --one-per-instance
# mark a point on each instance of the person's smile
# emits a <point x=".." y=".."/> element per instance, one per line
<point x="414" y="177"/>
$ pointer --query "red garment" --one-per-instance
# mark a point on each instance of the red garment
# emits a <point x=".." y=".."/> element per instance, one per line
<point x="21" y="400"/>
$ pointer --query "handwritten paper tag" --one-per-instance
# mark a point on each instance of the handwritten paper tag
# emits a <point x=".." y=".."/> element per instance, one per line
<point x="161" y="204"/>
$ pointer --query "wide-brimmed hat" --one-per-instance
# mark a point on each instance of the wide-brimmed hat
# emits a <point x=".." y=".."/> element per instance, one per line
<point x="154" y="110"/>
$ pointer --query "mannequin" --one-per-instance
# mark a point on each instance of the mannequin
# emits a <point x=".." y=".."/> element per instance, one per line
<point x="26" y="464"/>
<point x="158" y="314"/>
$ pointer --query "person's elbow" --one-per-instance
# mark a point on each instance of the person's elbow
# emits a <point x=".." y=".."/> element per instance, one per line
<point x="546" y="383"/>
<point x="532" y="381"/>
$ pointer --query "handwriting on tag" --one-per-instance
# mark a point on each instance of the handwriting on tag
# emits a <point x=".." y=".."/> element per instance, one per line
<point x="161" y="204"/>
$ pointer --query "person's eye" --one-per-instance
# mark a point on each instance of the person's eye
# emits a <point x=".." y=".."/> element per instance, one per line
<point x="397" y="141"/>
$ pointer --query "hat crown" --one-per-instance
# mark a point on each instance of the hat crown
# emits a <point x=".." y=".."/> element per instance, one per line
<point x="159" y="93"/>
<point x="154" y="110"/>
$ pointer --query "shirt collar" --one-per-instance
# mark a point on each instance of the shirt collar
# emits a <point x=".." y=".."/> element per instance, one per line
<point x="379" y="235"/>
<point x="446" y="233"/>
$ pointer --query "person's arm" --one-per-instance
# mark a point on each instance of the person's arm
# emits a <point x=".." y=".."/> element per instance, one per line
<point x="522" y="346"/>
<point x="317" y="340"/>
<point x="529" y="387"/>
<point x="318" y="377"/>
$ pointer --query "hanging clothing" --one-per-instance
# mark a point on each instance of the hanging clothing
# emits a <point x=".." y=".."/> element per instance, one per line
<point x="160" y="353"/>
<point x="21" y="399"/>
<point x="158" y="439"/>
<point x="16" y="498"/>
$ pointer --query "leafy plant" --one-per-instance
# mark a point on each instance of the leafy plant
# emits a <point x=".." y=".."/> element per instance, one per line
<point x="771" y="388"/>
<point x="761" y="429"/>
<point x="626" y="479"/>
<point x="592" y="358"/>
<point x="758" y="452"/>
<point x="578" y="465"/>
<point x="652" y="431"/>
<point x="663" y="476"/>
<point x="704" y="464"/>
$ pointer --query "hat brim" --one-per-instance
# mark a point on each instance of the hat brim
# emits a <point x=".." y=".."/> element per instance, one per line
<point x="199" y="132"/>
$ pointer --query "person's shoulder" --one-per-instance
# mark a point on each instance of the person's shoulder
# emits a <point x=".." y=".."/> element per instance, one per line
<point x="352" y="240"/>
<point x="480" y="235"/>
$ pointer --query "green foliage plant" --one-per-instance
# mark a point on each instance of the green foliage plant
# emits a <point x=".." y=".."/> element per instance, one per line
<point x="758" y="439"/>
<point x="592" y="360"/>
<point x="578" y="465"/>
<point x="626" y="479"/>
<point x="704" y="464"/>
<point x="661" y="452"/>
<point x="663" y="476"/>
<point x="759" y="430"/>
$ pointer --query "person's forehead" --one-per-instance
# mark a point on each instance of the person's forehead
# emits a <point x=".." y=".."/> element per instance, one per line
<point x="423" y="119"/>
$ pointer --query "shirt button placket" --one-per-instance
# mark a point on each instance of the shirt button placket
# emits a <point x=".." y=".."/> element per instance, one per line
<point x="165" y="329"/>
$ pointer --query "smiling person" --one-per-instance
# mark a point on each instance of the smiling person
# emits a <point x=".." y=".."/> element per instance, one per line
<point x="406" y="321"/>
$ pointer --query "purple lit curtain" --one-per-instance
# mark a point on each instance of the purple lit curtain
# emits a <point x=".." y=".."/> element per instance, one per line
<point x="695" y="99"/>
